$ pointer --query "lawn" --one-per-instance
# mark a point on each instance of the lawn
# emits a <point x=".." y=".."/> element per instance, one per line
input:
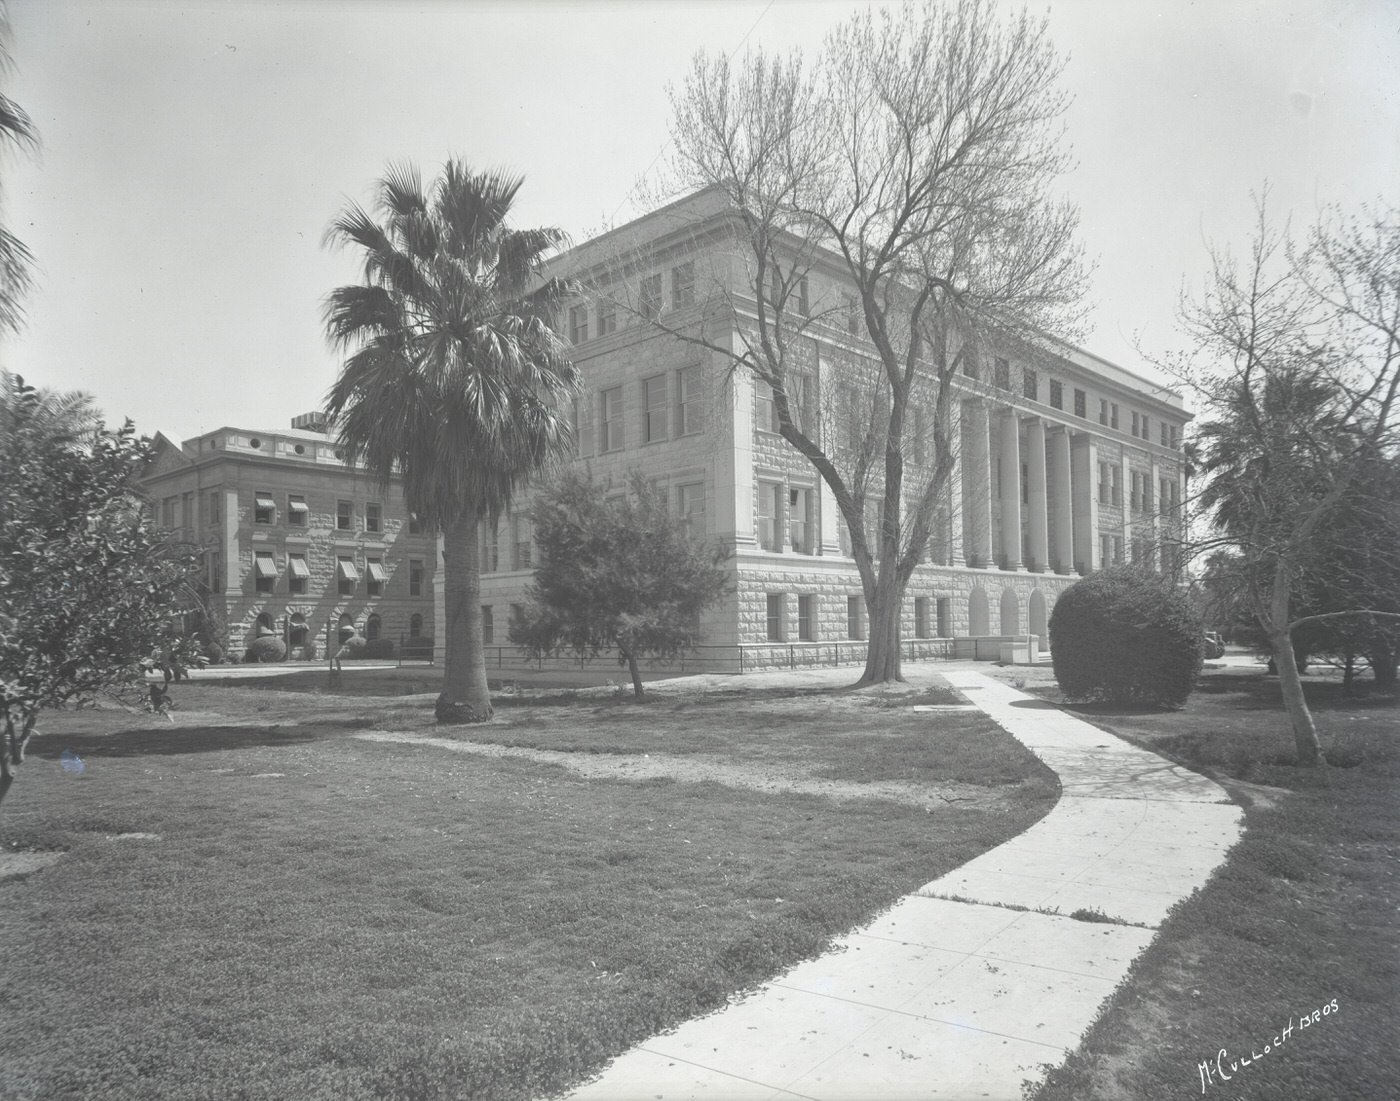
<point x="1303" y="920"/>
<point x="256" y="901"/>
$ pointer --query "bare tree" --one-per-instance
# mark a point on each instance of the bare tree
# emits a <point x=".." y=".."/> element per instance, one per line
<point x="1301" y="353"/>
<point x="915" y="158"/>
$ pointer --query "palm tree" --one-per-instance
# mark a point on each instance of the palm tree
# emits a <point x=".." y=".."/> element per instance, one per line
<point x="15" y="129"/>
<point x="454" y="379"/>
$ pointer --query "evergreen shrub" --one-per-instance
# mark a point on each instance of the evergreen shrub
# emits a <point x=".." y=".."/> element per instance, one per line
<point x="1126" y="635"/>
<point x="419" y="646"/>
<point x="379" y="648"/>
<point x="266" y="648"/>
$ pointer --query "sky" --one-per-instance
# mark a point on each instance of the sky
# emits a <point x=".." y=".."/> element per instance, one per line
<point x="193" y="155"/>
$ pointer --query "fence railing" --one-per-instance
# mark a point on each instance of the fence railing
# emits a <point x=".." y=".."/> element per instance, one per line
<point x="736" y="658"/>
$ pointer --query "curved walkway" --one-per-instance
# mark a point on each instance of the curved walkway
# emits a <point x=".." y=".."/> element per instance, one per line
<point x="981" y="980"/>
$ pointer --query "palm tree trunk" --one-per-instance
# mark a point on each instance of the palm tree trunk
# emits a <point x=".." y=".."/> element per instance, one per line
<point x="1286" y="661"/>
<point x="465" y="697"/>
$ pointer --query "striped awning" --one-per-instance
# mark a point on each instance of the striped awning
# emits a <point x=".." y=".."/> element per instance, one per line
<point x="347" y="570"/>
<point x="264" y="500"/>
<point x="297" y="562"/>
<point x="265" y="565"/>
<point x="376" y="572"/>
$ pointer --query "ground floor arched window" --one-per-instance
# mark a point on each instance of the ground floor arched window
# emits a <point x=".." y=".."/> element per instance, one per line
<point x="372" y="627"/>
<point x="415" y="626"/>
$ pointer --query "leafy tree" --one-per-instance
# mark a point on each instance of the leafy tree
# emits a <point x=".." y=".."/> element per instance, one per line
<point x="1301" y="346"/>
<point x="918" y="155"/>
<point x="454" y="377"/>
<point x="1126" y="635"/>
<point x="15" y="130"/>
<point x="617" y="574"/>
<point x="88" y="587"/>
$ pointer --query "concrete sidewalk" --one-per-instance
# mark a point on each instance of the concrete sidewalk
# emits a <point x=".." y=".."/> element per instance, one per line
<point x="981" y="980"/>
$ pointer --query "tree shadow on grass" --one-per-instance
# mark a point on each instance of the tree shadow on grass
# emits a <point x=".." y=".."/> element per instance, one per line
<point x="170" y="741"/>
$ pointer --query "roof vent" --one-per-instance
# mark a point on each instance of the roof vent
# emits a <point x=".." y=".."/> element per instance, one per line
<point x="311" y="422"/>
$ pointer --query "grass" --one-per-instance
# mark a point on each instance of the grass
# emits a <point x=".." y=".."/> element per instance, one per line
<point x="1304" y="916"/>
<point x="253" y="903"/>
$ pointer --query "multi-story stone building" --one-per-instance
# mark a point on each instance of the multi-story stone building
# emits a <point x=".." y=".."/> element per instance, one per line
<point x="295" y="542"/>
<point x="1065" y="464"/>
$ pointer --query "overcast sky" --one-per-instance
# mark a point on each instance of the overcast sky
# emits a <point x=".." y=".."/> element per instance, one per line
<point x="193" y="155"/>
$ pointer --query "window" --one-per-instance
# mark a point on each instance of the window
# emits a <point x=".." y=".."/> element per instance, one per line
<point x="807" y="617"/>
<point x="775" y="616"/>
<point x="689" y="413"/>
<point x="583" y="427"/>
<point x="520" y="527"/>
<point x="804" y="305"/>
<point x="264" y="572"/>
<point x="921" y="617"/>
<point x="264" y="508"/>
<point x="415" y="525"/>
<point x="346" y="575"/>
<point x="374" y="570"/>
<point x="374" y="518"/>
<point x="1105" y="550"/>
<point x="1103" y="483"/>
<point x="298" y="574"/>
<point x="655" y="404"/>
<point x="298" y="513"/>
<point x="167" y="513"/>
<point x="1113" y="415"/>
<point x="1136" y="493"/>
<point x="690" y="503"/>
<point x="854" y="626"/>
<point x="215" y="512"/>
<point x="1103" y="411"/>
<point x="415" y="577"/>
<point x="372" y="627"/>
<point x="683" y="285"/>
<point x="611" y="436"/>
<point x="1030" y="384"/>
<point x="1001" y="373"/>
<point x="945" y="617"/>
<point x="1139" y="550"/>
<point x="649" y="300"/>
<point x="578" y="324"/>
<point x="801" y="529"/>
<point x="297" y="634"/>
<point x="1117" y="484"/>
<point x="344" y="515"/>
<point x="852" y="315"/>
<point x="488" y="624"/>
<point x="1146" y="492"/>
<point x="765" y="412"/>
<point x="1166" y="433"/>
<point x="1081" y="401"/>
<point x="1117" y="550"/>
<point x="800" y="393"/>
<point x="490" y="549"/>
<point x="1146" y="433"/>
<point x="607" y="317"/>
<point x="517" y="611"/>
<point x="415" y="626"/>
<point x="1057" y="394"/>
<point x="770" y="511"/>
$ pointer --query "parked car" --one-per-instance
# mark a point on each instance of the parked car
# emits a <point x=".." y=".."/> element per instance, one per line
<point x="1214" y="646"/>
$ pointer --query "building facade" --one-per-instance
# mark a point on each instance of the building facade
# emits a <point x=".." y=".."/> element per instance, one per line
<point x="295" y="542"/>
<point x="1064" y="464"/>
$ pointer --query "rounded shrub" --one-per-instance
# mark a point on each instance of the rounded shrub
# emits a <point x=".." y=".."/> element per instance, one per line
<point x="308" y="652"/>
<point x="353" y="647"/>
<point x="379" y="648"/>
<point x="1126" y="635"/>
<point x="214" y="654"/>
<point x="266" y="648"/>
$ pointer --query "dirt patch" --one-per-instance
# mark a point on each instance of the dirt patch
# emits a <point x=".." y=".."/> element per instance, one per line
<point x="15" y="864"/>
<point x="697" y="769"/>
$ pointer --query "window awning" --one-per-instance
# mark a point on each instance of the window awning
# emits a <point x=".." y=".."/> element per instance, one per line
<point x="264" y="500"/>
<point x="347" y="570"/>
<point x="265" y="565"/>
<point x="297" y="504"/>
<point x="376" y="572"/>
<point x="297" y="562"/>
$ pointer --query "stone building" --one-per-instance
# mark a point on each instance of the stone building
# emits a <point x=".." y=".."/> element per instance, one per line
<point x="295" y="542"/>
<point x="1066" y="463"/>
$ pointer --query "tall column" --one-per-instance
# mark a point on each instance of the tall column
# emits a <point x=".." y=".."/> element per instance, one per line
<point x="977" y="484"/>
<point x="955" y="487"/>
<point x="1084" y="457"/>
<point x="1036" y="492"/>
<point x="1154" y="517"/>
<point x="1062" y="546"/>
<point x="1011" y="490"/>
<point x="1127" y="476"/>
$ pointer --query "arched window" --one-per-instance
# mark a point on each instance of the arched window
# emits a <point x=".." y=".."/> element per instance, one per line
<point x="346" y="627"/>
<point x="415" y="626"/>
<point x="372" y="627"/>
<point x="264" y="625"/>
<point x="297" y="635"/>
